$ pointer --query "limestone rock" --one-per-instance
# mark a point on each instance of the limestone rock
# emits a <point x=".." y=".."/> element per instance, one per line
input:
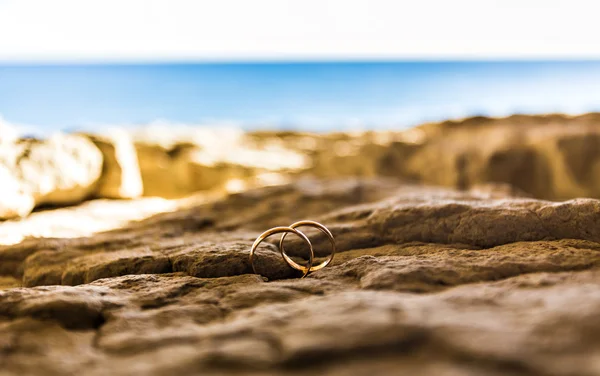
<point x="186" y="160"/>
<point x="489" y="279"/>
<point x="15" y="200"/>
<point x="427" y="281"/>
<point x="85" y="219"/>
<point x="121" y="176"/>
<point x="161" y="175"/>
<point x="63" y="169"/>
<point x="551" y="156"/>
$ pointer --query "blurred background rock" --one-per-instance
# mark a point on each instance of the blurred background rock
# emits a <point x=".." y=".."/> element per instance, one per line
<point x="553" y="157"/>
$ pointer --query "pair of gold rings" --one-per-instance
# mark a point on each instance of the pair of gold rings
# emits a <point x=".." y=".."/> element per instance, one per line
<point x="309" y="268"/>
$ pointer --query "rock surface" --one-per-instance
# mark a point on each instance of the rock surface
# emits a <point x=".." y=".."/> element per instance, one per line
<point x="427" y="281"/>
<point x="552" y="157"/>
<point x="178" y="162"/>
<point x="479" y="278"/>
<point x="121" y="177"/>
<point x="63" y="169"/>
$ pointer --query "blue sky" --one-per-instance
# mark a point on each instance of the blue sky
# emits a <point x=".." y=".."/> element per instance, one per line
<point x="310" y="96"/>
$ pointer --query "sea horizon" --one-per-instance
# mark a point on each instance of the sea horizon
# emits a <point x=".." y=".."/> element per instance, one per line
<point x="303" y="95"/>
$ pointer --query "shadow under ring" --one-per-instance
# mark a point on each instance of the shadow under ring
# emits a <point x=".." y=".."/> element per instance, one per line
<point x="285" y="231"/>
<point x="309" y="268"/>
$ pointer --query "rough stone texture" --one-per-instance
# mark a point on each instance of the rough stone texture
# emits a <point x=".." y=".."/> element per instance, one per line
<point x="176" y="162"/>
<point x="428" y="281"/>
<point x="553" y="157"/>
<point x="548" y="156"/>
<point x="15" y="200"/>
<point x="87" y="218"/>
<point x="480" y="280"/>
<point x="121" y="177"/>
<point x="63" y="169"/>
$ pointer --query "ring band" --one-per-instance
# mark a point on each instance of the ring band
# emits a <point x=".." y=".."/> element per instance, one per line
<point x="284" y="230"/>
<point x="310" y="268"/>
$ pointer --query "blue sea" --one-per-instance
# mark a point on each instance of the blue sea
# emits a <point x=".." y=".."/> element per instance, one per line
<point x="315" y="96"/>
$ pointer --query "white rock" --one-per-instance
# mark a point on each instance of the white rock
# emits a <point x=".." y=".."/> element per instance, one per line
<point x="121" y="177"/>
<point x="63" y="169"/>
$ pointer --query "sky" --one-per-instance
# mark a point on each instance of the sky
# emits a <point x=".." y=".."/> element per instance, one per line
<point x="303" y="96"/>
<point x="116" y="30"/>
<point x="310" y="64"/>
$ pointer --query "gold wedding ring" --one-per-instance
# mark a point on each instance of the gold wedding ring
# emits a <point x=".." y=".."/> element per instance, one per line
<point x="309" y="268"/>
<point x="285" y="230"/>
<point x="302" y="268"/>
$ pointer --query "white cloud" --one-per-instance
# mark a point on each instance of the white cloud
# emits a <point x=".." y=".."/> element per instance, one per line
<point x="302" y="29"/>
